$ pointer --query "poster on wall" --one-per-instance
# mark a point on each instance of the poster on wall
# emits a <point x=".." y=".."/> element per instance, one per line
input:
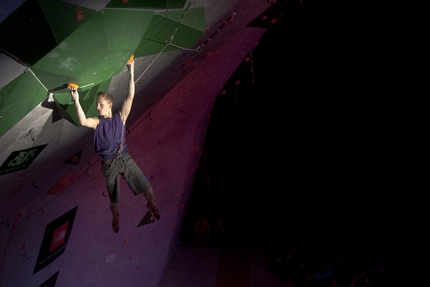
<point x="21" y="159"/>
<point x="55" y="239"/>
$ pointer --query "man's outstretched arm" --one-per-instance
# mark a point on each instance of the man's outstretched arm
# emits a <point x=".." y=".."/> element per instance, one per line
<point x="83" y="120"/>
<point x="128" y="102"/>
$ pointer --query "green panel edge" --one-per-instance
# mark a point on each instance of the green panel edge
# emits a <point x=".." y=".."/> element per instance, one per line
<point x="148" y="4"/>
<point x="87" y="57"/>
<point x="164" y="25"/>
<point x="19" y="103"/>
<point x="64" y="18"/>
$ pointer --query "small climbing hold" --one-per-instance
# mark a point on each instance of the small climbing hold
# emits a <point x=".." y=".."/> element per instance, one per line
<point x="15" y="223"/>
<point x="35" y="184"/>
<point x="130" y="60"/>
<point x="22" y="211"/>
<point x="209" y="55"/>
<point x="190" y="63"/>
<point x="79" y="14"/>
<point x="60" y="185"/>
<point x="72" y="86"/>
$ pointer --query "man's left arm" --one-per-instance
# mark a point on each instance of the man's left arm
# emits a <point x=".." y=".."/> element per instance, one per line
<point x="128" y="102"/>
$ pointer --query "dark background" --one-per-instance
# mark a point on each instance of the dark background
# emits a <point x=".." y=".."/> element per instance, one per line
<point x="307" y="146"/>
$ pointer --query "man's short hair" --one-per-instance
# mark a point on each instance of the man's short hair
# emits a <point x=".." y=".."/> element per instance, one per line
<point x="105" y="95"/>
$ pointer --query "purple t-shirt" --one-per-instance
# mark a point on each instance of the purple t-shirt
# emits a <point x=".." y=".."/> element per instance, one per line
<point x="108" y="135"/>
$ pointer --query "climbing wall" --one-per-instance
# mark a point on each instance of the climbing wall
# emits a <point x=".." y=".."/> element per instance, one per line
<point x="71" y="43"/>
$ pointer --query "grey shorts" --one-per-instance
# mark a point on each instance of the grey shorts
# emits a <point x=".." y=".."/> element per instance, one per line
<point x="125" y="167"/>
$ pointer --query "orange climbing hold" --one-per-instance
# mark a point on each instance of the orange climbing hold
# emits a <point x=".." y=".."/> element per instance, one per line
<point x="72" y="86"/>
<point x="130" y="60"/>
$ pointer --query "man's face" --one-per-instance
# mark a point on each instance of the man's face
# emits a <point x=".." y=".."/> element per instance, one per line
<point x="104" y="107"/>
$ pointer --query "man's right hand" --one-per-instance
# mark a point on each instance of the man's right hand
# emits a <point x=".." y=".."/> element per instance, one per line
<point x="75" y="95"/>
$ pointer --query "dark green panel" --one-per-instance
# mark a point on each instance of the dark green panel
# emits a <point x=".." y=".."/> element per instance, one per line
<point x="149" y="4"/>
<point x="125" y="28"/>
<point x="194" y="18"/>
<point x="192" y="26"/>
<point x="26" y="33"/>
<point x="96" y="51"/>
<point x="18" y="98"/>
<point x="187" y="29"/>
<point x="87" y="98"/>
<point x="63" y="17"/>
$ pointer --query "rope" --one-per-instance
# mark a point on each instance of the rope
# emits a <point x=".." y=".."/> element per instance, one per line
<point x="167" y="44"/>
<point x="218" y="30"/>
<point x="199" y="48"/>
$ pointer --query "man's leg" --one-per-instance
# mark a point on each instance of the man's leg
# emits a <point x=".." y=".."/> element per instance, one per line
<point x="149" y="195"/>
<point x="112" y="180"/>
<point x="138" y="183"/>
<point x="114" y="209"/>
<point x="115" y="220"/>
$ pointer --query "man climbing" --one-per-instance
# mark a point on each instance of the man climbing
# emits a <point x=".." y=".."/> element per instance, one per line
<point x="109" y="143"/>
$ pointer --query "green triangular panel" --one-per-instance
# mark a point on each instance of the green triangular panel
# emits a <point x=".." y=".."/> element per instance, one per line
<point x="26" y="33"/>
<point x="186" y="29"/>
<point x="65" y="18"/>
<point x="149" y="4"/>
<point x="125" y="29"/>
<point x="87" y="98"/>
<point x="96" y="51"/>
<point x="18" y="98"/>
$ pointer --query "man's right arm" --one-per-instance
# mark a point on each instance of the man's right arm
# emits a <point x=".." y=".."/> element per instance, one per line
<point x="83" y="120"/>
